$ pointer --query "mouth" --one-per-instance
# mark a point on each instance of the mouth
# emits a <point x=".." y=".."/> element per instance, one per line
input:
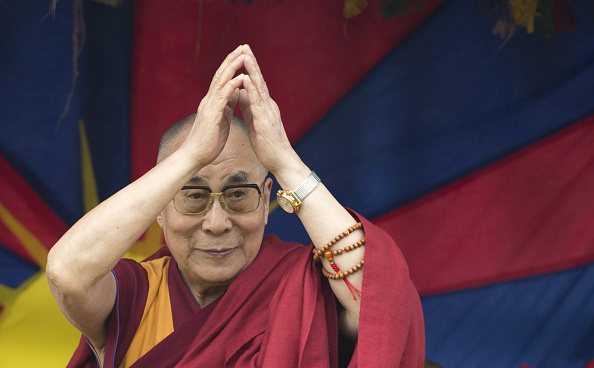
<point x="218" y="253"/>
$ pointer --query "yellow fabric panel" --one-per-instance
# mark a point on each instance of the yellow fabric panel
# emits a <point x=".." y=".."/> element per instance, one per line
<point x="33" y="246"/>
<point x="148" y="244"/>
<point x="33" y="331"/>
<point x="90" y="196"/>
<point x="157" y="321"/>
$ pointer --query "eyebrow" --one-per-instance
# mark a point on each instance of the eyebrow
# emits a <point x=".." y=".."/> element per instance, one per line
<point x="239" y="177"/>
<point x="197" y="179"/>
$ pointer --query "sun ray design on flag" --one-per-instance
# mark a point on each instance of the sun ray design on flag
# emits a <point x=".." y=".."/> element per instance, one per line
<point x="29" y="316"/>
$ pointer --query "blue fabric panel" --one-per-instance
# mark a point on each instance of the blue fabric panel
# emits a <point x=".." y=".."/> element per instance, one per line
<point x="37" y="68"/>
<point x="450" y="99"/>
<point x="105" y="95"/>
<point x="543" y="322"/>
<point x="14" y="270"/>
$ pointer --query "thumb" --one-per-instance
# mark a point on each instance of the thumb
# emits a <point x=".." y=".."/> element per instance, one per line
<point x="231" y="104"/>
<point x="244" y="105"/>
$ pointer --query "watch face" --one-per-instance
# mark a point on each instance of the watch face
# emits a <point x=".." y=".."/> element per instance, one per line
<point x="285" y="204"/>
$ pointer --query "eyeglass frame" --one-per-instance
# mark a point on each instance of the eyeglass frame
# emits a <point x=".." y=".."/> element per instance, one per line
<point x="220" y="194"/>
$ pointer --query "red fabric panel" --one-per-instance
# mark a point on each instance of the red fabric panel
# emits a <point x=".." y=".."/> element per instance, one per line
<point x="29" y="209"/>
<point x="307" y="59"/>
<point x="527" y="214"/>
<point x="10" y="242"/>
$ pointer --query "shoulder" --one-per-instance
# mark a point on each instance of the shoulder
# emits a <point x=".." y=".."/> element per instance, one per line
<point x="273" y="246"/>
<point x="129" y="268"/>
<point x="138" y="284"/>
<point x="135" y="279"/>
<point x="156" y="268"/>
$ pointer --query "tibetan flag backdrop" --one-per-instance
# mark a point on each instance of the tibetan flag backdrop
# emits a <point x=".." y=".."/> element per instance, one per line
<point x="475" y="152"/>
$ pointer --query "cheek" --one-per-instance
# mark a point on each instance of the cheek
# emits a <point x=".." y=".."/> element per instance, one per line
<point x="253" y="232"/>
<point x="255" y="224"/>
<point x="174" y="224"/>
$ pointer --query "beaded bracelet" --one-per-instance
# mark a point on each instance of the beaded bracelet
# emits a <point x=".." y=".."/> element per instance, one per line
<point x="340" y="274"/>
<point x="329" y="254"/>
<point x="345" y="249"/>
<point x="318" y="253"/>
<point x="343" y="275"/>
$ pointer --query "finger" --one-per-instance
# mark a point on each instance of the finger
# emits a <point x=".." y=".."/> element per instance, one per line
<point x="230" y="88"/>
<point x="254" y="95"/>
<point x="244" y="106"/>
<point x="231" y="104"/>
<point x="232" y="63"/>
<point x="233" y="55"/>
<point x="220" y="99"/>
<point x="251" y="54"/>
<point x="253" y="70"/>
<point x="233" y="99"/>
<point x="224" y="75"/>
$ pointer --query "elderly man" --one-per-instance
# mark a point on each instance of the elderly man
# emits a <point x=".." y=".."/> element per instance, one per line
<point x="221" y="294"/>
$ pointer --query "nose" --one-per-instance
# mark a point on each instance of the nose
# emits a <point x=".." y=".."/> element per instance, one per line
<point x="216" y="219"/>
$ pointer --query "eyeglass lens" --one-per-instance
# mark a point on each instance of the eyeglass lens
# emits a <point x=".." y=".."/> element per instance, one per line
<point x="193" y="201"/>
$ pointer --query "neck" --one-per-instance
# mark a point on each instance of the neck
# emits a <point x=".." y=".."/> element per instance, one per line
<point x="206" y="295"/>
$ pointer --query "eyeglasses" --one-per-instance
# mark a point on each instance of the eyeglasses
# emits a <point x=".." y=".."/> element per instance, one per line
<point x="194" y="200"/>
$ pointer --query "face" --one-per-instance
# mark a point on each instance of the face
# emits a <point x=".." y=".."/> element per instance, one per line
<point x="212" y="248"/>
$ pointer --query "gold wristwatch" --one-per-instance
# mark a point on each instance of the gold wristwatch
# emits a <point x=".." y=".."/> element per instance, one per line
<point x="290" y="201"/>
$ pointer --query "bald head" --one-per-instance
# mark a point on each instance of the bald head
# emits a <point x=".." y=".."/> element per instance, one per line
<point x="167" y="143"/>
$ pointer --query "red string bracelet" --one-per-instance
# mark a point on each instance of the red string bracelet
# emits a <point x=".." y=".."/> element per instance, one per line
<point x="318" y="253"/>
<point x="343" y="275"/>
<point x="329" y="255"/>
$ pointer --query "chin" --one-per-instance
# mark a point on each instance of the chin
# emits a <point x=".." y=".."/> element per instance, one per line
<point x="219" y="276"/>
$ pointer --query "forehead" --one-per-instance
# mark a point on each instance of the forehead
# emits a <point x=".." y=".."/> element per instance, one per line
<point x="238" y="177"/>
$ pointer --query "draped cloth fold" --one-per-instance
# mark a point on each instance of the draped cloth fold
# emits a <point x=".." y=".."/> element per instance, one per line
<point x="278" y="312"/>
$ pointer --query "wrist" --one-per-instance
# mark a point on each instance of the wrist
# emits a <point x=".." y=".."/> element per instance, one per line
<point x="291" y="200"/>
<point x="180" y="166"/>
<point x="291" y="174"/>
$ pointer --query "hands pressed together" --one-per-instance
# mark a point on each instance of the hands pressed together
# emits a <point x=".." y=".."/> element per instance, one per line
<point x="261" y="114"/>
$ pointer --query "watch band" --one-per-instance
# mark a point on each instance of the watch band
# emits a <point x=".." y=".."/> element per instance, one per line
<point x="306" y="187"/>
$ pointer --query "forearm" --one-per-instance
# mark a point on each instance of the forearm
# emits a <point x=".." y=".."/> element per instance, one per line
<point x="321" y="214"/>
<point x="93" y="245"/>
<point x="324" y="218"/>
<point x="91" y="248"/>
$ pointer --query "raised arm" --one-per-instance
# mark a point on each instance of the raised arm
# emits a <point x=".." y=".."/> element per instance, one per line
<point x="79" y="264"/>
<point x="321" y="214"/>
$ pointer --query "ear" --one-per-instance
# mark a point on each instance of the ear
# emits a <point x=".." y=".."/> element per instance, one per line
<point x="267" y="195"/>
<point x="160" y="219"/>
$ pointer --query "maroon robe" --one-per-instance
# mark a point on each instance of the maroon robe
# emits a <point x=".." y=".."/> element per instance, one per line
<point x="279" y="312"/>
